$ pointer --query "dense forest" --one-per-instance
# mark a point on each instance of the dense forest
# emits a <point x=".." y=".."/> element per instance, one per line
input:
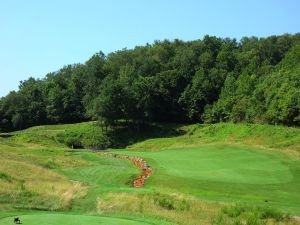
<point x="254" y="80"/>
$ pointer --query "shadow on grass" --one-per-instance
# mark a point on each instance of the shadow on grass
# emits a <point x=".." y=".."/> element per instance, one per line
<point x="123" y="135"/>
<point x="4" y="135"/>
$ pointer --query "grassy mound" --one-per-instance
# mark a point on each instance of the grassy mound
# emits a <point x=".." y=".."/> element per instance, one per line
<point x="160" y="136"/>
<point x="80" y="134"/>
<point x="267" y="136"/>
<point x="92" y="134"/>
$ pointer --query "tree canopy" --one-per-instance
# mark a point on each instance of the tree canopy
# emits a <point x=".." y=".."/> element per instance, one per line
<point x="255" y="80"/>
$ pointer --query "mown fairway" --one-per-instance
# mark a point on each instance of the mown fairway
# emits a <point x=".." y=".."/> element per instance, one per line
<point x="227" y="172"/>
<point x="61" y="219"/>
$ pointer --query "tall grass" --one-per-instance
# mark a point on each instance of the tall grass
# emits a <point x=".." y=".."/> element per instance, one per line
<point x="278" y="137"/>
<point x="251" y="215"/>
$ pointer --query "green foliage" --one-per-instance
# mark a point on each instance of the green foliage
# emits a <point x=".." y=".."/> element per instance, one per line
<point x="164" y="202"/>
<point x="72" y="139"/>
<point x="6" y="177"/>
<point x="85" y="135"/>
<point x="210" y="80"/>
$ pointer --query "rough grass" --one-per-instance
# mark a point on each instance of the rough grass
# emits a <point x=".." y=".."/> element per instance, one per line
<point x="254" y="134"/>
<point x="27" y="185"/>
<point x="162" y="136"/>
<point x="276" y="137"/>
<point x="182" y="209"/>
<point x="176" y="208"/>
<point x="28" y="179"/>
<point x="242" y="214"/>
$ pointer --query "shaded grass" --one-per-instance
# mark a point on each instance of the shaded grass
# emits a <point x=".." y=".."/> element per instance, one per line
<point x="278" y="137"/>
<point x="92" y="134"/>
<point x="156" y="136"/>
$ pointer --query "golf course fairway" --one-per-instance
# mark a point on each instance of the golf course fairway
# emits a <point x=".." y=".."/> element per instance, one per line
<point x="227" y="172"/>
<point x="59" y="219"/>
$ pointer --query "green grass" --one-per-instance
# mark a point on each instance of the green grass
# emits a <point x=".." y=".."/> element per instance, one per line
<point x="59" y="219"/>
<point x="201" y="171"/>
<point x="102" y="176"/>
<point x="221" y="163"/>
<point x="266" y="136"/>
<point x="88" y="133"/>
<point x="241" y="214"/>
<point x="225" y="172"/>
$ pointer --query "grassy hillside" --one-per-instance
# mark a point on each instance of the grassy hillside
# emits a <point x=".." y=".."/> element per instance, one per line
<point x="216" y="174"/>
<point x="266" y="136"/>
<point x="160" y="136"/>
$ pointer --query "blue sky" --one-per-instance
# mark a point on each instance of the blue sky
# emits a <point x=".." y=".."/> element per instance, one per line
<point x="37" y="37"/>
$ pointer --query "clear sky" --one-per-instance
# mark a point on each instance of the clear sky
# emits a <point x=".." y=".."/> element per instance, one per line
<point x="41" y="36"/>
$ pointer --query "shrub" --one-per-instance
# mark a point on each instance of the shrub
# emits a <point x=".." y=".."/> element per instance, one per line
<point x="6" y="177"/>
<point x="72" y="139"/>
<point x="164" y="202"/>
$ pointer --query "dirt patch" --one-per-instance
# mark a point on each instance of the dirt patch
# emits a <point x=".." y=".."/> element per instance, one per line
<point x="147" y="171"/>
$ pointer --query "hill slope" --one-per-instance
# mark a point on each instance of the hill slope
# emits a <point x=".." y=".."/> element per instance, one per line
<point x="199" y="171"/>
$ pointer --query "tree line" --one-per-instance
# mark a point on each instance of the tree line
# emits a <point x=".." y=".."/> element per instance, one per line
<point x="255" y="80"/>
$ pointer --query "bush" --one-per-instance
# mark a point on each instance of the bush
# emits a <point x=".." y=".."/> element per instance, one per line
<point x="164" y="202"/>
<point x="6" y="177"/>
<point x="72" y="139"/>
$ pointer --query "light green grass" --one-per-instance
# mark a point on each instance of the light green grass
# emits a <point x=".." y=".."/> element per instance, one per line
<point x="64" y="219"/>
<point x="222" y="164"/>
<point x="227" y="173"/>
<point x="103" y="175"/>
